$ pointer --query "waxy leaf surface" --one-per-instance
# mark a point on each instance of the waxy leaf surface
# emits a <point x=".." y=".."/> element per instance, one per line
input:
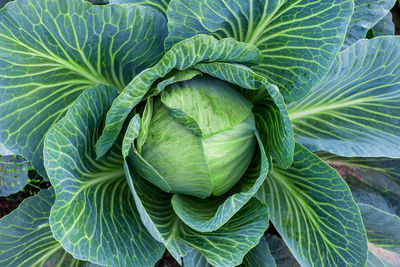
<point x="383" y="230"/>
<point x="94" y="214"/>
<point x="26" y="238"/>
<point x="367" y="13"/>
<point x="269" y="109"/>
<point x="313" y="209"/>
<point x="374" y="181"/>
<point x="385" y="26"/>
<point x="259" y="256"/>
<point x="50" y="51"/>
<point x="194" y="258"/>
<point x="298" y="39"/>
<point x="159" y="5"/>
<point x="201" y="48"/>
<point x="355" y="110"/>
<point x="212" y="213"/>
<point x="280" y="251"/>
<point x="13" y="173"/>
<point x="223" y="247"/>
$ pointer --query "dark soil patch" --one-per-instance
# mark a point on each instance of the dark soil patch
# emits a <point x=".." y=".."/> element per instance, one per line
<point x="9" y="203"/>
<point x="167" y="261"/>
<point x="396" y="17"/>
<point x="6" y="206"/>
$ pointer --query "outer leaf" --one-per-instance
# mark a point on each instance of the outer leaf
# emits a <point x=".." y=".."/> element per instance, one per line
<point x="259" y="256"/>
<point x="385" y="26"/>
<point x="224" y="247"/>
<point x="4" y="151"/>
<point x="26" y="238"/>
<point x="50" y="51"/>
<point x="280" y="252"/>
<point x="94" y="216"/>
<point x="193" y="258"/>
<point x="181" y="56"/>
<point x="314" y="211"/>
<point x="160" y="5"/>
<point x="156" y="213"/>
<point x="383" y="230"/>
<point x="269" y="109"/>
<point x="297" y="38"/>
<point x="13" y="174"/>
<point x="367" y="13"/>
<point x="212" y="213"/>
<point x="357" y="106"/>
<point x="374" y="181"/>
<point x="240" y="234"/>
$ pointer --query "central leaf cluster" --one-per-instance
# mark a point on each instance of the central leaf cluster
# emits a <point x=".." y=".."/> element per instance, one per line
<point x="201" y="137"/>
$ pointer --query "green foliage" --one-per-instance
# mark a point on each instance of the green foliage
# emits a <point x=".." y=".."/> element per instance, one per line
<point x="51" y="51"/>
<point x="87" y="204"/>
<point x="13" y="172"/>
<point x="296" y="50"/>
<point x="172" y="124"/>
<point x="26" y="238"/>
<point x="374" y="181"/>
<point x="259" y="256"/>
<point x="313" y="195"/>
<point x="280" y="251"/>
<point x="366" y="15"/>
<point x="215" y="148"/>
<point x="383" y="230"/>
<point x="241" y="232"/>
<point x="201" y="48"/>
<point x="375" y="184"/>
<point x="385" y="26"/>
<point x="159" y="5"/>
<point x="356" y="106"/>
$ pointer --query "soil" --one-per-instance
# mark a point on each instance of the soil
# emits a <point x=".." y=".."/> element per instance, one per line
<point x="396" y="17"/>
<point x="6" y="206"/>
<point x="9" y="203"/>
<point x="167" y="261"/>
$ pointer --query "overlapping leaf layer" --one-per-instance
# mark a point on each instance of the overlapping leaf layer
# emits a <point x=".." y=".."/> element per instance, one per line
<point x="80" y="87"/>
<point x="50" y="51"/>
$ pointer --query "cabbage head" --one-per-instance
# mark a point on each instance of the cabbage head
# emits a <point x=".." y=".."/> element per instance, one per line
<point x="201" y="137"/>
<point x="216" y="130"/>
